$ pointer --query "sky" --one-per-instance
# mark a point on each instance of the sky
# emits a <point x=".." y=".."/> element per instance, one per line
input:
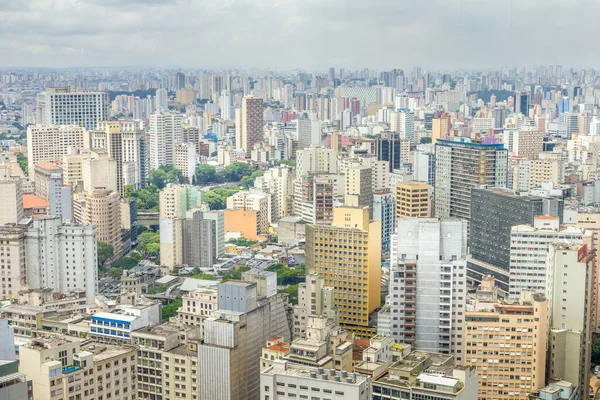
<point x="299" y="34"/>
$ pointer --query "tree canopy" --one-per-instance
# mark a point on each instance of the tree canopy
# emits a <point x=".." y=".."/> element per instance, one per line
<point x="216" y="198"/>
<point x="105" y="252"/>
<point x="164" y="175"/>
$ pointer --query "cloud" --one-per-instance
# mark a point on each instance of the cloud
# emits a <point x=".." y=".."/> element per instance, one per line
<point x="293" y="34"/>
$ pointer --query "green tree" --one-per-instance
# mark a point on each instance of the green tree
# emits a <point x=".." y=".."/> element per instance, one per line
<point x="125" y="263"/>
<point x="153" y="249"/>
<point x="214" y="154"/>
<point x="292" y="292"/>
<point x="105" y="252"/>
<point x="596" y="351"/>
<point x="425" y="140"/>
<point x="236" y="171"/>
<point x="205" y="276"/>
<point x="115" y="273"/>
<point x="205" y="173"/>
<point x="235" y="273"/>
<point x="170" y="310"/>
<point x="242" y="241"/>
<point x="216" y="198"/>
<point x="287" y="275"/>
<point x="23" y="163"/>
<point x="287" y="162"/>
<point x="164" y="175"/>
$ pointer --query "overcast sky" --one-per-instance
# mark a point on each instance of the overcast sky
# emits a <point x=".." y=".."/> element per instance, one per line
<point x="299" y="34"/>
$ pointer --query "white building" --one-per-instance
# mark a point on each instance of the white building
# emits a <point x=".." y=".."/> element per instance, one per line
<point x="185" y="159"/>
<point x="427" y="290"/>
<point x="278" y="184"/>
<point x="161" y="100"/>
<point x="166" y="132"/>
<point x="117" y="325"/>
<point x="62" y="256"/>
<point x="308" y="133"/>
<point x="314" y="298"/>
<point x="529" y="250"/>
<point x="69" y="106"/>
<point x="316" y="160"/>
<point x="7" y="341"/>
<point x="12" y="264"/>
<point x="284" y="380"/>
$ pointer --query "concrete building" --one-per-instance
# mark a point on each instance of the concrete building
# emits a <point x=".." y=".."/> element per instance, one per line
<point x="62" y="256"/>
<point x="176" y="200"/>
<point x="70" y="106"/>
<point x="233" y="339"/>
<point x="166" y="132"/>
<point x="98" y="170"/>
<point x="571" y="300"/>
<point x="249" y="124"/>
<point x="494" y="211"/>
<point x="117" y="326"/>
<point x="423" y="375"/>
<point x="314" y="198"/>
<point x="13" y="266"/>
<point x="63" y="366"/>
<point x="384" y="211"/>
<point x="308" y="133"/>
<point x="284" y="380"/>
<point x="196" y="306"/>
<point x="527" y="142"/>
<point x="291" y="230"/>
<point x="391" y="148"/>
<point x="102" y="208"/>
<point x="314" y="298"/>
<point x="49" y="186"/>
<point x="11" y="206"/>
<point x="428" y="284"/>
<point x="559" y="390"/>
<point x="528" y="252"/>
<point x="546" y="170"/>
<point x="461" y="165"/>
<point x="316" y="160"/>
<point x="349" y="248"/>
<point x="25" y="319"/>
<point x="199" y="247"/>
<point x="412" y="200"/>
<point x="278" y="184"/>
<point x="516" y="336"/>
<point x="424" y="164"/>
<point x="7" y="341"/>
<point x="14" y="385"/>
<point x="246" y="200"/>
<point x="185" y="160"/>
<point x="125" y="143"/>
<point x="358" y="187"/>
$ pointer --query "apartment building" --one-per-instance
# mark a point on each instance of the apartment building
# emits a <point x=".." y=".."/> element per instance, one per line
<point x="412" y="200"/>
<point x="13" y="265"/>
<point x="68" y="105"/>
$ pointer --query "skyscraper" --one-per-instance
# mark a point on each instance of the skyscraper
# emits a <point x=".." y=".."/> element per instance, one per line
<point x="166" y="132"/>
<point x="348" y="256"/>
<point x="249" y="124"/>
<point x="521" y="103"/>
<point x="412" y="200"/>
<point x="388" y="147"/>
<point x="69" y="106"/>
<point x="461" y="165"/>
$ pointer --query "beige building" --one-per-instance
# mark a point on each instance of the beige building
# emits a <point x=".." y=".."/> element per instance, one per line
<point x="440" y="128"/>
<point x="185" y="96"/>
<point x="248" y="201"/>
<point x="51" y="142"/>
<point x="412" y="200"/>
<point x="249" y="124"/>
<point x="102" y="208"/>
<point x="11" y="206"/>
<point x="99" y="171"/>
<point x="506" y="344"/>
<point x="348" y="256"/>
<point x="13" y="268"/>
<point x="545" y="170"/>
<point x="185" y="160"/>
<point x="197" y="306"/>
<point x="278" y="184"/>
<point x="25" y="319"/>
<point x="358" y="187"/>
<point x="314" y="298"/>
<point x="275" y="349"/>
<point x="528" y="142"/>
<point x="64" y="368"/>
<point x="571" y="301"/>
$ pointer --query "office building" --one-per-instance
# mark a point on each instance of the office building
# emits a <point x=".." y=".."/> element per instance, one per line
<point x="117" y="326"/>
<point x="313" y="198"/>
<point x="13" y="266"/>
<point x="285" y="380"/>
<point x="461" y="165"/>
<point x="348" y="255"/>
<point x="246" y="200"/>
<point x="125" y="143"/>
<point x="424" y="164"/>
<point x="428" y="284"/>
<point x="176" y="200"/>
<point x="316" y="160"/>
<point x="185" y="160"/>
<point x="314" y="298"/>
<point x="278" y="184"/>
<point x="521" y="103"/>
<point x="308" y="133"/>
<point x="85" y="370"/>
<point x="412" y="200"/>
<point x="49" y="186"/>
<point x="393" y="149"/>
<point x="233" y="340"/>
<point x="51" y="143"/>
<point x="11" y="206"/>
<point x="572" y="271"/>
<point x="69" y="106"/>
<point x="440" y="127"/>
<point x="199" y="246"/>
<point x="102" y="208"/>
<point x="529" y="250"/>
<point x="98" y="170"/>
<point x="14" y="385"/>
<point x="515" y="334"/>
<point x="196" y="306"/>
<point x="62" y="256"/>
<point x="249" y="124"/>
<point x="384" y="207"/>
<point x="494" y="211"/>
<point x="358" y="187"/>
<point x="166" y="132"/>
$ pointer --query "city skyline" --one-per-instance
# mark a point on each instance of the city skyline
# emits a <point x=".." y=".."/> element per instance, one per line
<point x="305" y="35"/>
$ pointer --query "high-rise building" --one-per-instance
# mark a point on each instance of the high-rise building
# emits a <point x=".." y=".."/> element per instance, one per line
<point x="62" y="256"/>
<point x="348" y="255"/>
<point x="308" y="133"/>
<point x="519" y="333"/>
<point x="424" y="164"/>
<point x="278" y="183"/>
<point x="571" y="289"/>
<point x="185" y="160"/>
<point x="521" y="103"/>
<point x="51" y="143"/>
<point x="249" y="124"/>
<point x="100" y="207"/>
<point x="384" y="210"/>
<point x="98" y="170"/>
<point x="461" y="165"/>
<point x="246" y="200"/>
<point x="166" y="132"/>
<point x="412" y="200"/>
<point x="315" y="160"/>
<point x="529" y="250"/>
<point x="391" y="148"/>
<point x="314" y="298"/>
<point x="15" y="385"/>
<point x="494" y="212"/>
<point x="313" y="198"/>
<point x="69" y="106"/>
<point x="528" y="141"/>
<point x="358" y="187"/>
<point x="161" y="100"/>
<point x="233" y="340"/>
<point x="49" y="186"/>
<point x="440" y="127"/>
<point x="13" y="264"/>
<point x="428" y="284"/>
<point x="124" y="142"/>
<point x="199" y="246"/>
<point x="11" y="206"/>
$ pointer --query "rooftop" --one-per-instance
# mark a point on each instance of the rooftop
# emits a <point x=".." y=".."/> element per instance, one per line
<point x="33" y="201"/>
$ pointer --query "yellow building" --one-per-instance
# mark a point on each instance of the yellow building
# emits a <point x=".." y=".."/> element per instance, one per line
<point x="440" y="127"/>
<point x="347" y="255"/>
<point x="506" y="344"/>
<point x="412" y="200"/>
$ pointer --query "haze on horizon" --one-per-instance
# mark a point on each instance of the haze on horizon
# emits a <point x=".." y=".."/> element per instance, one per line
<point x="301" y="34"/>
